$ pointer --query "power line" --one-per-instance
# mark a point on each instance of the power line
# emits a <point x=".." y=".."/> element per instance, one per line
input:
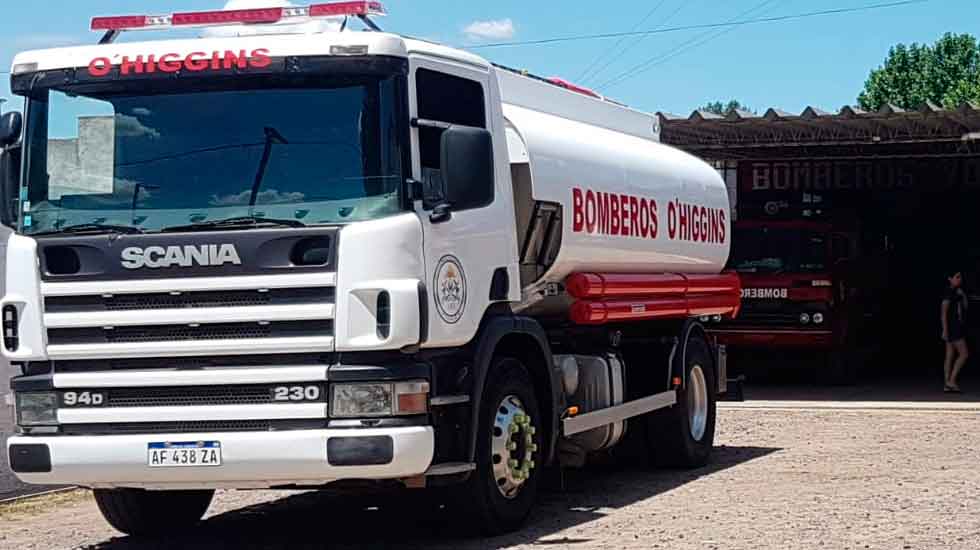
<point x="695" y="42"/>
<point x="619" y="42"/>
<point x="638" y="41"/>
<point x="772" y="19"/>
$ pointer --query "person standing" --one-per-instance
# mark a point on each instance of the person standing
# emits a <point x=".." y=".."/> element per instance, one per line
<point x="954" y="309"/>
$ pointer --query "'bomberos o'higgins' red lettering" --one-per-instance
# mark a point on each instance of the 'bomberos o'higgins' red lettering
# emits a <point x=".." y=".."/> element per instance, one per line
<point x="172" y="62"/>
<point x="617" y="214"/>
<point x="622" y="215"/>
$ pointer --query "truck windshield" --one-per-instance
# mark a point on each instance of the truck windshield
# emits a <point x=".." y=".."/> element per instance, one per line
<point x="304" y="150"/>
<point x="779" y="250"/>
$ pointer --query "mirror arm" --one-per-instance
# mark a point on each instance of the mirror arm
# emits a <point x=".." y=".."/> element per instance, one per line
<point x="414" y="189"/>
<point x="426" y="123"/>
<point x="442" y="213"/>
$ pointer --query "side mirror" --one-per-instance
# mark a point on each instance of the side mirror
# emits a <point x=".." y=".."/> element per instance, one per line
<point x="10" y="126"/>
<point x="9" y="185"/>
<point x="467" y="167"/>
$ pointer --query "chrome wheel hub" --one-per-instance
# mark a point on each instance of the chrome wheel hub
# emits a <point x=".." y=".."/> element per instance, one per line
<point x="512" y="446"/>
<point x="697" y="402"/>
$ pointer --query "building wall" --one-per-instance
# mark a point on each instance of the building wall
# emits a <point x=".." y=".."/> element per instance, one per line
<point x="83" y="164"/>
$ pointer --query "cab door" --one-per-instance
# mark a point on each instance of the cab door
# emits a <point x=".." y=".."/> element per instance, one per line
<point x="471" y="254"/>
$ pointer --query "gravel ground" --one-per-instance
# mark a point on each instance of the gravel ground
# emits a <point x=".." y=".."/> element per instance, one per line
<point x="780" y="479"/>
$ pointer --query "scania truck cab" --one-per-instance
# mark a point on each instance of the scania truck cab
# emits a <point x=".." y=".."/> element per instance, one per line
<point x="343" y="258"/>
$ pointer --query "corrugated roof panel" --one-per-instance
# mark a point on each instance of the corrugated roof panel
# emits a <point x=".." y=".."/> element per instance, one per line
<point x="775" y="114"/>
<point x="967" y="107"/>
<point x="736" y="136"/>
<point x="813" y="112"/>
<point x="701" y="114"/>
<point x="852" y="111"/>
<point x="740" y="114"/>
<point x="890" y="109"/>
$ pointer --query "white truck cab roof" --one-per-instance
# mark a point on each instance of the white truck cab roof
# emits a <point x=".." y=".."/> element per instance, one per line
<point x="278" y="45"/>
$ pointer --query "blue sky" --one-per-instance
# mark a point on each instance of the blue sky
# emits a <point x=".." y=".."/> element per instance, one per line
<point x="820" y="61"/>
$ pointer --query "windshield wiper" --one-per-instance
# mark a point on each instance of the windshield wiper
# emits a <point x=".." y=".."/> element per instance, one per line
<point x="93" y="229"/>
<point x="234" y="223"/>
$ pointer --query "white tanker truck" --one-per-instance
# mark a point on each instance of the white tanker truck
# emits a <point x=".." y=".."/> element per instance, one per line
<point x="344" y="258"/>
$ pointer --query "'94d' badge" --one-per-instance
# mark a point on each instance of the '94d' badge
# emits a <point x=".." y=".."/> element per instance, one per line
<point x="450" y="289"/>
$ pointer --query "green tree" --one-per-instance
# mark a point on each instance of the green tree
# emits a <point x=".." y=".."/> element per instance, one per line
<point x="946" y="73"/>
<point x="719" y="108"/>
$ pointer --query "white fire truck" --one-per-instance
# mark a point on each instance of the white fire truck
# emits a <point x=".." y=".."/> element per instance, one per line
<point x="278" y="259"/>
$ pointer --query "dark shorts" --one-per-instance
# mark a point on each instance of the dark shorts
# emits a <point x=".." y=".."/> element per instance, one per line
<point x="956" y="333"/>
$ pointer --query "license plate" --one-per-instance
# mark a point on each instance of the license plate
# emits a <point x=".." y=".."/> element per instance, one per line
<point x="183" y="454"/>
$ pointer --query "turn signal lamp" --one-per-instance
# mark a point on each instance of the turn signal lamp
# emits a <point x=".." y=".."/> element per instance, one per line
<point x="10" y="336"/>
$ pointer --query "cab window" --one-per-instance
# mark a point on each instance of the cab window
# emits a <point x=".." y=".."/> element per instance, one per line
<point x="450" y="99"/>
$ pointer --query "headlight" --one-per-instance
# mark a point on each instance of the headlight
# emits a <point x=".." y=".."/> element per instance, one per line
<point x="704" y="318"/>
<point x="37" y="409"/>
<point x="361" y="400"/>
<point x="716" y="318"/>
<point x="817" y="318"/>
<point x="804" y="318"/>
<point x="379" y="399"/>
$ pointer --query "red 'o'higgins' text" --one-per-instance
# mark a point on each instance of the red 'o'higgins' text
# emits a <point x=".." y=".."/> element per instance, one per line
<point x="193" y="62"/>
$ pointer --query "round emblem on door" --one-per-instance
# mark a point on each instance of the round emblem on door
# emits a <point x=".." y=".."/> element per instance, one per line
<point x="450" y="289"/>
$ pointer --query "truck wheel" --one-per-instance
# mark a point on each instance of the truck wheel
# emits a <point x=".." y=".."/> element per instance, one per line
<point x="499" y="495"/>
<point x="683" y="435"/>
<point x="141" y="512"/>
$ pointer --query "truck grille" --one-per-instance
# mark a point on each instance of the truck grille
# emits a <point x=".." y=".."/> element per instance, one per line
<point x="253" y="394"/>
<point x="190" y="427"/>
<point x="773" y="319"/>
<point x="289" y="313"/>
<point x="185" y="363"/>
<point x="181" y="300"/>
<point x="776" y="313"/>
<point x="164" y="333"/>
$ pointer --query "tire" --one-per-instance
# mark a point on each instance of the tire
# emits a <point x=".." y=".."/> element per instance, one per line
<point x="141" y="512"/>
<point x="675" y="437"/>
<point x="481" y="501"/>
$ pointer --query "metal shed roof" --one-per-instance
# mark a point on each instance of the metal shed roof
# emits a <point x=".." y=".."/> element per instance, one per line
<point x="890" y="131"/>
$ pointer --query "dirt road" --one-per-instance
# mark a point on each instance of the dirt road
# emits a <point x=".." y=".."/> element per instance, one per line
<point x="781" y="479"/>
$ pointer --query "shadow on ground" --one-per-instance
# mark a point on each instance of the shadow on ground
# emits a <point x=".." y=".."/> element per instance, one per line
<point x="773" y="376"/>
<point x="316" y="520"/>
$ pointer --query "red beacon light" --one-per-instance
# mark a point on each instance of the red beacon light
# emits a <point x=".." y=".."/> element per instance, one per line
<point x="256" y="16"/>
<point x="573" y="87"/>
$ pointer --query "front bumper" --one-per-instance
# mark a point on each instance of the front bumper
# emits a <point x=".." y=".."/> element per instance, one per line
<point x="770" y="338"/>
<point x="249" y="459"/>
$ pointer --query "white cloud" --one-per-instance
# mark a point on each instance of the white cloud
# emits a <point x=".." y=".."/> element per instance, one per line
<point x="496" y="29"/>
<point x="269" y="196"/>
<point x="130" y="126"/>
